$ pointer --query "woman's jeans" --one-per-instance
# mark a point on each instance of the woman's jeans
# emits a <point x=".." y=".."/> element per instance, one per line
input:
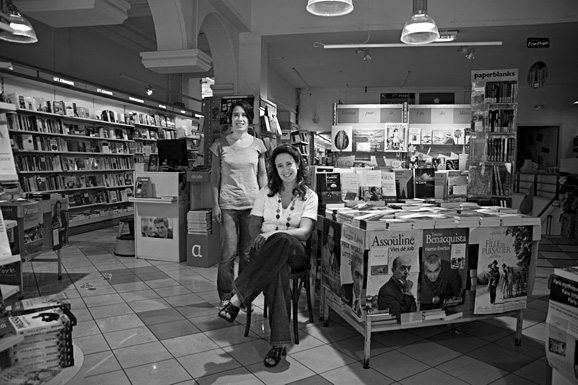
<point x="269" y="272"/>
<point x="235" y="240"/>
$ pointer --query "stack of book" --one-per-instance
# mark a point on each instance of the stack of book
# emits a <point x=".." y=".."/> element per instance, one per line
<point x="398" y="224"/>
<point x="200" y="222"/>
<point x="467" y="219"/>
<point x="518" y="220"/>
<point x="47" y="339"/>
<point x="488" y="219"/>
<point x="444" y="221"/>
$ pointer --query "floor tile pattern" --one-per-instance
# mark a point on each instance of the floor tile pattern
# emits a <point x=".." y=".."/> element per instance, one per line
<point x="152" y="322"/>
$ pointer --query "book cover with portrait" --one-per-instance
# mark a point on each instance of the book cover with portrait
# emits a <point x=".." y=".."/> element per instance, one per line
<point x="443" y="267"/>
<point x="386" y="250"/>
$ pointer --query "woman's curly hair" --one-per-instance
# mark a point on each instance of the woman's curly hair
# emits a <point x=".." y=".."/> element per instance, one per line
<point x="275" y="181"/>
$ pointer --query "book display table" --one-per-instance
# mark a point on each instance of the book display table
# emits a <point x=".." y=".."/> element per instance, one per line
<point x="511" y="249"/>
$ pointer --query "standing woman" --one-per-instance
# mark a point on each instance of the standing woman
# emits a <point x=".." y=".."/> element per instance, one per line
<point x="237" y="173"/>
<point x="281" y="221"/>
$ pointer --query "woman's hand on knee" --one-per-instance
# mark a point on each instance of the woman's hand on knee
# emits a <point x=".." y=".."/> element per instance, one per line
<point x="261" y="239"/>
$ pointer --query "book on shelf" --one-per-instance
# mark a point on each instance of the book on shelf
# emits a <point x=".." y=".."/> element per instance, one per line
<point x="388" y="186"/>
<point x="424" y="182"/>
<point x="437" y="136"/>
<point x="415" y="135"/>
<point x="328" y="187"/>
<point x="404" y="183"/>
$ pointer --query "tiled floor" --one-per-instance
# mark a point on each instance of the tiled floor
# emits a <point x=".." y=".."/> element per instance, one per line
<point x="150" y="322"/>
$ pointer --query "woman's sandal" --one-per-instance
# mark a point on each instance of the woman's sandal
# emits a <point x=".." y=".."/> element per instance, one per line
<point x="275" y="356"/>
<point x="229" y="312"/>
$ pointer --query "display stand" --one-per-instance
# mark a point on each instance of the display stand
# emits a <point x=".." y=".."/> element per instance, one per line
<point x="160" y="220"/>
<point x="379" y="322"/>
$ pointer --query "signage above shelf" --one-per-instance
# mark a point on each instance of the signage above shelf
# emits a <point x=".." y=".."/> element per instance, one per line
<point x="59" y="80"/>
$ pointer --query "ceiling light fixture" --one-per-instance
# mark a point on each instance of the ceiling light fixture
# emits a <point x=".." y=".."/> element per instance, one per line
<point x="14" y="27"/>
<point x="420" y="28"/>
<point x="149" y="90"/>
<point x="329" y="8"/>
<point x="401" y="45"/>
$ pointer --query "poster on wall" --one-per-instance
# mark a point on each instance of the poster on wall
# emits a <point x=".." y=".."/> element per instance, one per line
<point x="443" y="268"/>
<point x="59" y="222"/>
<point x="503" y="266"/>
<point x="7" y="166"/>
<point x="157" y="227"/>
<point x="331" y="255"/>
<point x="342" y="138"/>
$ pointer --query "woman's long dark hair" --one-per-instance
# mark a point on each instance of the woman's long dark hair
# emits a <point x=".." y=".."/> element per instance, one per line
<point x="275" y="181"/>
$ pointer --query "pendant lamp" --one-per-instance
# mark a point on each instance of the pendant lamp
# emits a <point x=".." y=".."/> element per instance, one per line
<point x="19" y="28"/>
<point x="420" y="28"/>
<point x="329" y="7"/>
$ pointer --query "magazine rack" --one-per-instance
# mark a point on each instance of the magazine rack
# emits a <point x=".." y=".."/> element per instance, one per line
<point x="368" y="324"/>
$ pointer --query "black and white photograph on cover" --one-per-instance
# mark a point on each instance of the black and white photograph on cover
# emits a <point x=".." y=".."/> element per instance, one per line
<point x="331" y="255"/>
<point x="157" y="227"/>
<point x="59" y="222"/>
<point x="443" y="274"/>
<point x="503" y="269"/>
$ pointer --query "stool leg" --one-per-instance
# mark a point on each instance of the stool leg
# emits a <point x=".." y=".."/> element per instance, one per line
<point x="248" y="320"/>
<point x="265" y="308"/>
<point x="296" y="290"/>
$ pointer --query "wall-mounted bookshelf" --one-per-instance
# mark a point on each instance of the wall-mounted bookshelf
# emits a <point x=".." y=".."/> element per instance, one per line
<point x="79" y="139"/>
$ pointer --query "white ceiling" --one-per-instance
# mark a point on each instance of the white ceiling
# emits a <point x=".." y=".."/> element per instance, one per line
<point x="290" y="33"/>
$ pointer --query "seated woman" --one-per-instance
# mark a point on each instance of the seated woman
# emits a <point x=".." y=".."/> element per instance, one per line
<point x="282" y="219"/>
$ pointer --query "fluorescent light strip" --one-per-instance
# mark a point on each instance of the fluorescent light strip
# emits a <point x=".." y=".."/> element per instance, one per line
<point x="401" y="45"/>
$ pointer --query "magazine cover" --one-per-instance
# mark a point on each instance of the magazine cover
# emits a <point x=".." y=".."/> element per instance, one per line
<point x="352" y="250"/>
<point x="331" y="255"/>
<point x="393" y="267"/>
<point x="503" y="264"/>
<point x="443" y="267"/>
<point x="396" y="136"/>
<point x="59" y="222"/>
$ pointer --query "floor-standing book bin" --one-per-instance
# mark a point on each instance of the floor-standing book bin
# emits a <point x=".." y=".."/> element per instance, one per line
<point x="203" y="250"/>
<point x="160" y="219"/>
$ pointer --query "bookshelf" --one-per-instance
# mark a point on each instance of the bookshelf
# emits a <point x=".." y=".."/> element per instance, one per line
<point x="84" y="141"/>
<point x="302" y="140"/>
<point x="492" y="144"/>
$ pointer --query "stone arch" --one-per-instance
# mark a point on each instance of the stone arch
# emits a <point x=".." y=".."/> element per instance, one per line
<point x="223" y="53"/>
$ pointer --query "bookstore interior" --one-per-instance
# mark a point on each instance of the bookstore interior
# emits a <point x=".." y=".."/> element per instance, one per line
<point x="429" y="215"/>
